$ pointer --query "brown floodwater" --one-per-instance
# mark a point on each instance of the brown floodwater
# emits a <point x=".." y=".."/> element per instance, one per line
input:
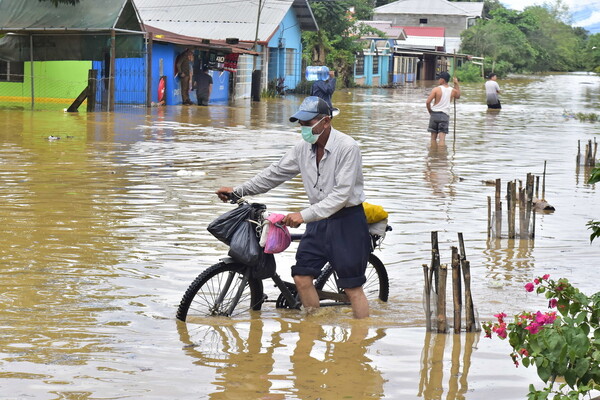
<point x="103" y="224"/>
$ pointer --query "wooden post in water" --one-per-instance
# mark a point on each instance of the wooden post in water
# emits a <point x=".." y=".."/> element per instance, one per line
<point x="510" y="208"/>
<point x="537" y="187"/>
<point x="544" y="182"/>
<point x="469" y="308"/>
<point x="435" y="259"/>
<point x="489" y="224"/>
<point x="529" y="204"/>
<point x="522" y="227"/>
<point x="441" y="300"/>
<point x="498" y="209"/>
<point x="595" y="152"/>
<point x="532" y="235"/>
<point x="578" y="158"/>
<point x="456" y="290"/>
<point x="427" y="298"/>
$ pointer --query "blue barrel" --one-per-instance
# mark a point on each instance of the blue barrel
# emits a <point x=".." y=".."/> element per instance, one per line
<point x="317" y="73"/>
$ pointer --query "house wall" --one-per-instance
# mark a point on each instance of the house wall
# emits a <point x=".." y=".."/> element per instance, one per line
<point x="454" y="24"/>
<point x="288" y="36"/>
<point x="54" y="82"/>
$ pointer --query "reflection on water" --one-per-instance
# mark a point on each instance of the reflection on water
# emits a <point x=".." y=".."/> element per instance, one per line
<point x="313" y="360"/>
<point x="104" y="229"/>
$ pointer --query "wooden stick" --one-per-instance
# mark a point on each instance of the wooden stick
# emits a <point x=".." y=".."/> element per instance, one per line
<point x="469" y="309"/>
<point x="435" y="259"/>
<point x="489" y="224"/>
<point x="537" y="187"/>
<point x="498" y="210"/>
<point x="529" y="202"/>
<point x="427" y="298"/>
<point x="441" y="300"/>
<point x="456" y="290"/>
<point x="578" y="158"/>
<point x="532" y="235"/>
<point x="522" y="213"/>
<point x="544" y="183"/>
<point x="510" y="208"/>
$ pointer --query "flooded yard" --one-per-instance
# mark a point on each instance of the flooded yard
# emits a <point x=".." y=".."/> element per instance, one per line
<point x="104" y="218"/>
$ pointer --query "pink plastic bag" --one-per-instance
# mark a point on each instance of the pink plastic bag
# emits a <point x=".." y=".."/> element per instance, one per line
<point x="278" y="237"/>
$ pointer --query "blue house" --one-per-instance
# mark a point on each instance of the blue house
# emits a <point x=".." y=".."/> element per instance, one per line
<point x="372" y="65"/>
<point x="272" y="31"/>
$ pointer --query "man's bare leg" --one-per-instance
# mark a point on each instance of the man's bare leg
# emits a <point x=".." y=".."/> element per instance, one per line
<point x="308" y="293"/>
<point x="442" y="136"/>
<point x="358" y="300"/>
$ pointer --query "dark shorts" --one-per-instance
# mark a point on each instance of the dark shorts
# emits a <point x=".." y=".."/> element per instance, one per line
<point x="343" y="240"/>
<point x="438" y="122"/>
<point x="497" y="105"/>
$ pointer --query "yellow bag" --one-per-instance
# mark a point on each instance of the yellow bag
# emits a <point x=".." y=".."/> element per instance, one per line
<point x="374" y="213"/>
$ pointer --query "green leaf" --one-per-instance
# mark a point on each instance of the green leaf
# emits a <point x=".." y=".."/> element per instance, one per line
<point x="581" y="367"/>
<point x="570" y="377"/>
<point x="594" y="176"/>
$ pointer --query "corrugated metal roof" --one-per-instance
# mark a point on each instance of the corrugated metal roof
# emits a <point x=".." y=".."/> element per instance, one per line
<point x="214" y="19"/>
<point x="391" y="32"/>
<point x="431" y="7"/>
<point x="28" y="15"/>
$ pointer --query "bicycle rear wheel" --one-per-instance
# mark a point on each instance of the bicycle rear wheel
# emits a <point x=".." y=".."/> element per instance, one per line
<point x="377" y="285"/>
<point x="214" y="291"/>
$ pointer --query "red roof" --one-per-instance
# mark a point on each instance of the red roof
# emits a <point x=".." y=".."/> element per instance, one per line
<point x="424" y="31"/>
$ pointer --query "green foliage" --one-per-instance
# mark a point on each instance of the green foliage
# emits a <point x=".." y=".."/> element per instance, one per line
<point x="303" y="87"/>
<point x="594" y="225"/>
<point x="590" y="117"/>
<point x="539" y="38"/>
<point x="469" y="72"/>
<point x="560" y="344"/>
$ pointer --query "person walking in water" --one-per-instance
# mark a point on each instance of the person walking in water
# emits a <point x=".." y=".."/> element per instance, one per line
<point x="204" y="83"/>
<point x="324" y="89"/>
<point x="330" y="163"/>
<point x="492" y="90"/>
<point x="439" y="112"/>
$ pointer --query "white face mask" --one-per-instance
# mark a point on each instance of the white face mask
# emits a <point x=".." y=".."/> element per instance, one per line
<point x="307" y="133"/>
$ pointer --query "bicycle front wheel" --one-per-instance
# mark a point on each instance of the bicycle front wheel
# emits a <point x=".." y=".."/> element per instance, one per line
<point x="377" y="285"/>
<point x="215" y="293"/>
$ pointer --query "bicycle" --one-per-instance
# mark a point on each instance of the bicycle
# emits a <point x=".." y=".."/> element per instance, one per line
<point x="228" y="286"/>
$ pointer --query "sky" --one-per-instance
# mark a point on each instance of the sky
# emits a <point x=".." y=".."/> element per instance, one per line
<point x="586" y="13"/>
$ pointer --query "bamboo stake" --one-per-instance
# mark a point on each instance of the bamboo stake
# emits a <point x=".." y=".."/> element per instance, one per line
<point x="427" y="298"/>
<point x="522" y="222"/>
<point x="537" y="187"/>
<point x="578" y="158"/>
<point x="441" y="301"/>
<point x="510" y="208"/>
<point x="469" y="309"/>
<point x="544" y="183"/>
<point x="532" y="235"/>
<point x="435" y="259"/>
<point x="489" y="224"/>
<point x="529" y="200"/>
<point x="595" y="151"/>
<point x="456" y="290"/>
<point x="498" y="210"/>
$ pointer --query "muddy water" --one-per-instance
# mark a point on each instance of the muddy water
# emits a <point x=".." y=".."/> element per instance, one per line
<point x="104" y="228"/>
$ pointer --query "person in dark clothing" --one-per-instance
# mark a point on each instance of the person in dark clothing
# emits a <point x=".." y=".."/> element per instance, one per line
<point x="184" y="69"/>
<point x="203" y="84"/>
<point x="324" y="89"/>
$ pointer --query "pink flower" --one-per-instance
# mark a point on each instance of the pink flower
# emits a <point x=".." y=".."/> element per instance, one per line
<point x="529" y="287"/>
<point x="501" y="331"/>
<point x="533" y="328"/>
<point x="536" y="281"/>
<point x="524" y="352"/>
<point x="545" y="277"/>
<point x="552" y="303"/>
<point x="500" y="317"/>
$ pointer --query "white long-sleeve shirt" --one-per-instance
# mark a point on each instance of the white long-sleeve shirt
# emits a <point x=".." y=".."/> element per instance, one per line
<point x="337" y="181"/>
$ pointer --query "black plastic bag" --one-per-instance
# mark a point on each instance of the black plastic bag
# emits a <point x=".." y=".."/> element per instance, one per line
<point x="244" y="247"/>
<point x="224" y="226"/>
<point x="265" y="268"/>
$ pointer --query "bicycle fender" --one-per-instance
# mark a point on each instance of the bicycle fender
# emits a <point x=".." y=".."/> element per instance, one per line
<point x="228" y="260"/>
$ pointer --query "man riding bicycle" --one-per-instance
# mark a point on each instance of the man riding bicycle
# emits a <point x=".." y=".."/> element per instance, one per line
<point x="330" y="164"/>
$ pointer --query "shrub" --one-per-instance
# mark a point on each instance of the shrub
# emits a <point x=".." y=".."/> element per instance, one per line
<point x="469" y="72"/>
<point x="563" y="343"/>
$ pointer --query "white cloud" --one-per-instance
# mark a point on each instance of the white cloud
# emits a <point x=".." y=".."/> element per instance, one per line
<point x="574" y="5"/>
<point x="593" y="19"/>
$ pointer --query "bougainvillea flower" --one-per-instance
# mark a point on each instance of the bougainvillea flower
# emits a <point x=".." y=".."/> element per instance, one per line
<point x="545" y="277"/>
<point x="533" y="328"/>
<point x="524" y="352"/>
<point x="552" y="303"/>
<point x="529" y="287"/>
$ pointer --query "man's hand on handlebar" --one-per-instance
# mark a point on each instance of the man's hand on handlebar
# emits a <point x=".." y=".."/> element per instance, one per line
<point x="293" y="220"/>
<point x="224" y="193"/>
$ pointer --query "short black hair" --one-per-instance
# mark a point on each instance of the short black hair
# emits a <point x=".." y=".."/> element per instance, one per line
<point x="490" y="76"/>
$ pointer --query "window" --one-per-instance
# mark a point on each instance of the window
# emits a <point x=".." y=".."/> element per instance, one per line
<point x="11" y="71"/>
<point x="290" y="62"/>
<point x="423" y="20"/>
<point x="360" y="64"/>
<point x="375" y="64"/>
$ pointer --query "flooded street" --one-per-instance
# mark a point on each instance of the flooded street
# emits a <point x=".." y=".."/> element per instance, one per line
<point x="104" y="218"/>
